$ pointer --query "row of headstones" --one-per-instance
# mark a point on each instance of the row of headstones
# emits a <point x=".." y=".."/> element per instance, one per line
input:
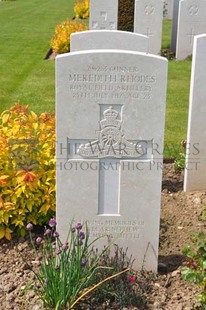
<point x="110" y="107"/>
<point x="135" y="42"/>
<point x="148" y="19"/>
<point x="189" y="19"/>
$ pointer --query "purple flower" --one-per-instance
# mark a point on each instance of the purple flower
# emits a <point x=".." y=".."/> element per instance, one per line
<point x="47" y="232"/>
<point x="56" y="234"/>
<point x="78" y="226"/>
<point x="52" y="222"/>
<point x="38" y="240"/>
<point x="81" y="235"/>
<point x="57" y="251"/>
<point x="29" y="226"/>
<point x="83" y="262"/>
<point x="40" y="257"/>
<point x="57" y="267"/>
<point x="65" y="246"/>
<point x="48" y="256"/>
<point x="73" y="229"/>
<point x="46" y="281"/>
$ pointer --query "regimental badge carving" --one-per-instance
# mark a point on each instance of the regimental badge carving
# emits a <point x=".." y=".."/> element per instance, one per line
<point x="193" y="9"/>
<point x="111" y="141"/>
<point x="149" y="9"/>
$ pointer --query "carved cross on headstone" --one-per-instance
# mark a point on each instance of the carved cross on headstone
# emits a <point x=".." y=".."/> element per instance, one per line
<point x="191" y="35"/>
<point x="110" y="148"/>
<point x="148" y="33"/>
<point x="103" y="14"/>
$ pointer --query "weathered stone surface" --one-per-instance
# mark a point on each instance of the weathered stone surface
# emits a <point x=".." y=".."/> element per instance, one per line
<point x="195" y="166"/>
<point x="191" y="22"/>
<point x="110" y="126"/>
<point x="108" y="39"/>
<point x="103" y="14"/>
<point x="148" y="21"/>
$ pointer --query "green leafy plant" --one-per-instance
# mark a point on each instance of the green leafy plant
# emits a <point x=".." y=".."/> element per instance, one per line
<point x="195" y="269"/>
<point x="129" y="289"/>
<point x="66" y="270"/>
<point x="27" y="169"/>
<point x="179" y="163"/>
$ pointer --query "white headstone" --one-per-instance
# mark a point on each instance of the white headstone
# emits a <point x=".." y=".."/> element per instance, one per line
<point x="174" y="25"/>
<point x="191" y="22"/>
<point x="168" y="9"/>
<point x="148" y="21"/>
<point x="108" y="39"/>
<point x="110" y="109"/>
<point x="103" y="14"/>
<point x="195" y="166"/>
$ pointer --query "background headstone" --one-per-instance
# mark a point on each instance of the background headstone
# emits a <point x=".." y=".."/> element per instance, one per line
<point x="174" y="25"/>
<point x="195" y="166"/>
<point x="191" y="22"/>
<point x="108" y="39"/>
<point x="110" y="109"/>
<point x="103" y="14"/>
<point x="148" y="21"/>
<point x="168" y="9"/>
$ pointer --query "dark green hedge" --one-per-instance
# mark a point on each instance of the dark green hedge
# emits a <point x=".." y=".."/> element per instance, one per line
<point x="126" y="15"/>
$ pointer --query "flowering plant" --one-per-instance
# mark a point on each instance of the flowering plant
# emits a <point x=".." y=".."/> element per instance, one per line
<point x="60" y="43"/>
<point x="27" y="169"/>
<point x="81" y="9"/>
<point x="65" y="269"/>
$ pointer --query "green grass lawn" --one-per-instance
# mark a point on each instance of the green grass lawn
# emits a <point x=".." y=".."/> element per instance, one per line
<point x="27" y="27"/>
<point x="25" y="33"/>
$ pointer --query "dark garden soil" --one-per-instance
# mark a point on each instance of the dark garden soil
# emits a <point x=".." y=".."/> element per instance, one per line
<point x="180" y="217"/>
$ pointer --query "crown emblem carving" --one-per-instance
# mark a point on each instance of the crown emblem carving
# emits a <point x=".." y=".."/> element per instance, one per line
<point x="111" y="140"/>
<point x="110" y="119"/>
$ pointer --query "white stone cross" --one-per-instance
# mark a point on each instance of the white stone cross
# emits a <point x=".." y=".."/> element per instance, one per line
<point x="111" y="148"/>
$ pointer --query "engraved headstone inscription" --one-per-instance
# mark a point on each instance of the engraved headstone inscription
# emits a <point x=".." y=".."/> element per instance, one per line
<point x="191" y="22"/>
<point x="103" y="14"/>
<point x="148" y="21"/>
<point x="108" y="39"/>
<point x="195" y="164"/>
<point x="110" y="107"/>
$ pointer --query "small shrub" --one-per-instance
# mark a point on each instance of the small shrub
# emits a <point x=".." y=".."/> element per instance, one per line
<point x="65" y="271"/>
<point x="179" y="163"/>
<point x="61" y="41"/>
<point x="129" y="289"/>
<point x="27" y="169"/>
<point x="81" y="9"/>
<point x="167" y="53"/>
<point x="195" y="269"/>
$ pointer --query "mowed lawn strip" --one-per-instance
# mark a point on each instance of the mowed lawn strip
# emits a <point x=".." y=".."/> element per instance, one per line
<point x="27" y="27"/>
